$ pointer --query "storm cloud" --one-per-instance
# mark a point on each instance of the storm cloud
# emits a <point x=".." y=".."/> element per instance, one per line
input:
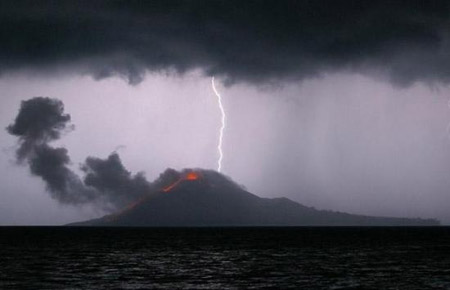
<point x="241" y="41"/>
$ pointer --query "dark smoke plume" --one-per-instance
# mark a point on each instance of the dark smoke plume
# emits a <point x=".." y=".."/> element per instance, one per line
<point x="51" y="164"/>
<point x="113" y="181"/>
<point x="167" y="177"/>
<point x="107" y="183"/>
<point x="40" y="120"/>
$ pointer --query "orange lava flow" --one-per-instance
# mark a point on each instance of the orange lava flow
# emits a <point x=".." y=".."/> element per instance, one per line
<point x="189" y="176"/>
<point x="170" y="187"/>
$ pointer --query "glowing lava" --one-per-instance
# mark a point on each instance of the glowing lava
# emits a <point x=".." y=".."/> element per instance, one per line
<point x="170" y="187"/>
<point x="190" y="176"/>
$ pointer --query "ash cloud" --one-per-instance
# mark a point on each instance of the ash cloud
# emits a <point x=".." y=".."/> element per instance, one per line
<point x="252" y="41"/>
<point x="51" y="164"/>
<point x="107" y="183"/>
<point x="113" y="181"/>
<point x="167" y="177"/>
<point x="40" y="120"/>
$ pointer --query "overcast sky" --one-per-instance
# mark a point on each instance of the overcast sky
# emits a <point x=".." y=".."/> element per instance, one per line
<point x="340" y="105"/>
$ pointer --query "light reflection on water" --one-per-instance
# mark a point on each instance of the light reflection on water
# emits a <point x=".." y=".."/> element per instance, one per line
<point x="318" y="258"/>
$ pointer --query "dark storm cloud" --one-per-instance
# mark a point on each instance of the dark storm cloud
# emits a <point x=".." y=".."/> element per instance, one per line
<point x="251" y="41"/>
<point x="107" y="182"/>
<point x="114" y="181"/>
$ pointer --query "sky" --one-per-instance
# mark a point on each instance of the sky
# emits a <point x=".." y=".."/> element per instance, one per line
<point x="339" y="105"/>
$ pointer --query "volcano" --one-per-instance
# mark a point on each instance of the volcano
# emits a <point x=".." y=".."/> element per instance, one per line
<point x="199" y="198"/>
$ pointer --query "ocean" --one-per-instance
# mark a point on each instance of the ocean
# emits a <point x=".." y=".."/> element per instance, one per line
<point x="225" y="258"/>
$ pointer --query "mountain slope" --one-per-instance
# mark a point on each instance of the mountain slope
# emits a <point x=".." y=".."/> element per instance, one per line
<point x="207" y="198"/>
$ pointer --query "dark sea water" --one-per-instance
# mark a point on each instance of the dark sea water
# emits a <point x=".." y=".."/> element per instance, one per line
<point x="303" y="258"/>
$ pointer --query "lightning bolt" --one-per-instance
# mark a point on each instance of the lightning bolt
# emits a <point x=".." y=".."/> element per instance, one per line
<point x="222" y="127"/>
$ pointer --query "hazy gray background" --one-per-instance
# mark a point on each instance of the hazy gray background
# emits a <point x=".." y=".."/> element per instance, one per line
<point x="342" y="142"/>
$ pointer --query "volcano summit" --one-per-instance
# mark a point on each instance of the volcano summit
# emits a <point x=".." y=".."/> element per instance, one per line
<point x="197" y="197"/>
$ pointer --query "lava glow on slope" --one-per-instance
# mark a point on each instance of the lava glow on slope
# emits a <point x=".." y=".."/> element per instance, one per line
<point x="190" y="176"/>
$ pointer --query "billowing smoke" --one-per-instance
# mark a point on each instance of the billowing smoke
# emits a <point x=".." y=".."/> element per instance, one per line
<point x="51" y="164"/>
<point x="40" y="120"/>
<point x="107" y="182"/>
<point x="166" y="178"/>
<point x="113" y="181"/>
